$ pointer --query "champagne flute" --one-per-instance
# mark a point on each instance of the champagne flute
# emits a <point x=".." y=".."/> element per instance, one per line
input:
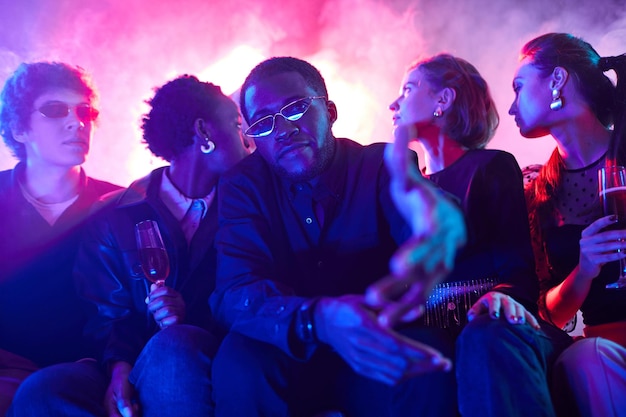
<point x="612" y="188"/>
<point x="154" y="260"/>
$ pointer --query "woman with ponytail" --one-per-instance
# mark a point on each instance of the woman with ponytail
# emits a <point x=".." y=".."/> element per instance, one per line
<point x="561" y="90"/>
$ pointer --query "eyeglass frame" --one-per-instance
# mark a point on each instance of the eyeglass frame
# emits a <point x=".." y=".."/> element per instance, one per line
<point x="93" y="112"/>
<point x="280" y="113"/>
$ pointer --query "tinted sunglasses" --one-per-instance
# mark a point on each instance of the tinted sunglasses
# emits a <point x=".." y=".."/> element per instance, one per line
<point x="292" y="112"/>
<point x="59" y="110"/>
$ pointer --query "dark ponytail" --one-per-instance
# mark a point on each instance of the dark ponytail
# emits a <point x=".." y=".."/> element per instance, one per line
<point x="617" y="147"/>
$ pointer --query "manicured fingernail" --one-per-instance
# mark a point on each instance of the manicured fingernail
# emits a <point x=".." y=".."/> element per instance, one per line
<point x="495" y="314"/>
<point x="614" y="218"/>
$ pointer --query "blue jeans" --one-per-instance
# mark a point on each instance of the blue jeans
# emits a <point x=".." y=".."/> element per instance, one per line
<point x="252" y="378"/>
<point x="503" y="369"/>
<point x="171" y="377"/>
<point x="591" y="379"/>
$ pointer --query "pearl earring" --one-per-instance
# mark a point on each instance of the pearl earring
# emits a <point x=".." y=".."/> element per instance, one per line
<point x="557" y="101"/>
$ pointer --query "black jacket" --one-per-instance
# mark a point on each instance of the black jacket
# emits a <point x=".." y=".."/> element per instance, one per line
<point x="108" y="270"/>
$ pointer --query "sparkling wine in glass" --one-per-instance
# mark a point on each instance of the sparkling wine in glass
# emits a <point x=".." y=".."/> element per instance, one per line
<point x="154" y="260"/>
<point x="612" y="188"/>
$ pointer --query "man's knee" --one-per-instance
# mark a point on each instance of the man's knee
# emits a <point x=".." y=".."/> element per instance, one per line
<point x="181" y="340"/>
<point x="242" y="358"/>
<point x="60" y="386"/>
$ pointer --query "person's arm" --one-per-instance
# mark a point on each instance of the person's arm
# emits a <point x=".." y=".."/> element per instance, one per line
<point x="253" y="299"/>
<point x="437" y="231"/>
<point x="370" y="348"/>
<point x="106" y="274"/>
<point x="596" y="248"/>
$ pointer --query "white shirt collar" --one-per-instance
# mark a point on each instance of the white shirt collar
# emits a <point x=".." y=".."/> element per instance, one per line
<point x="177" y="202"/>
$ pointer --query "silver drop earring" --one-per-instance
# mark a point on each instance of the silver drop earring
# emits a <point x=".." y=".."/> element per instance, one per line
<point x="557" y="101"/>
<point x="208" y="147"/>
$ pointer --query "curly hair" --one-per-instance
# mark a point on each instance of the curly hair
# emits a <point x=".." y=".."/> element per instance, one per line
<point x="27" y="84"/>
<point x="280" y="65"/>
<point x="168" y="128"/>
<point x="473" y="119"/>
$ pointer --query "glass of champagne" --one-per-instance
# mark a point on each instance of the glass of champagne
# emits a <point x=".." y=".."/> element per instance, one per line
<point x="612" y="188"/>
<point x="154" y="260"/>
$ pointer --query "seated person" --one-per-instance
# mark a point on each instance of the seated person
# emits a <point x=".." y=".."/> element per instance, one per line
<point x="561" y="90"/>
<point x="445" y="105"/>
<point x="307" y="224"/>
<point x="47" y="117"/>
<point x="157" y="341"/>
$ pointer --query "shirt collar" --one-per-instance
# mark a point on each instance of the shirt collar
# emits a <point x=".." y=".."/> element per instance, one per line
<point x="176" y="202"/>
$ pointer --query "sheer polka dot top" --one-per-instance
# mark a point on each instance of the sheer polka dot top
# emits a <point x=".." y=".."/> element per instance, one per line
<point x="577" y="201"/>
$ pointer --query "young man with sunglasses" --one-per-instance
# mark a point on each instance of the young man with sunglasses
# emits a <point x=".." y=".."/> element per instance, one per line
<point x="307" y="227"/>
<point x="47" y="118"/>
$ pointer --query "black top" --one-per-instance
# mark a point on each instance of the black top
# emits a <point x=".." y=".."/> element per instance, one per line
<point x="489" y="186"/>
<point x="108" y="269"/>
<point x="557" y="245"/>
<point x="41" y="316"/>
<point x="273" y="253"/>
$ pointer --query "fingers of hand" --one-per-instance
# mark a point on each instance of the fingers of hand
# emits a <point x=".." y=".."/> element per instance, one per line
<point x="532" y="320"/>
<point x="514" y="312"/>
<point x="124" y="406"/>
<point x="399" y="298"/>
<point x="598" y="225"/>
<point x="388" y="289"/>
<point x="125" y="410"/>
<point x="167" y="315"/>
<point x="394" y="362"/>
<point x="489" y="303"/>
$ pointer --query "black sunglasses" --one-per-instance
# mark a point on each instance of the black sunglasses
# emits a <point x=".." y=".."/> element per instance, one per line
<point x="59" y="110"/>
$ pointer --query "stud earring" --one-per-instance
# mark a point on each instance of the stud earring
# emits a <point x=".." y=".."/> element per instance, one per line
<point x="438" y="112"/>
<point x="208" y="147"/>
<point x="557" y="101"/>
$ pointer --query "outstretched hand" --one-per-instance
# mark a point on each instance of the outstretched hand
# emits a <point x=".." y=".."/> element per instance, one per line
<point x="438" y="230"/>
<point x="372" y="350"/>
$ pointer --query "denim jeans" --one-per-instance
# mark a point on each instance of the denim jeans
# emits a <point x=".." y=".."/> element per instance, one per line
<point x="171" y="377"/>
<point x="503" y="369"/>
<point x="590" y="377"/>
<point x="13" y="370"/>
<point x="252" y="378"/>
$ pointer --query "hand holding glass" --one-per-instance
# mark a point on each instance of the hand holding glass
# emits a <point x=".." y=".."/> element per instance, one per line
<point x="612" y="188"/>
<point x="154" y="260"/>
